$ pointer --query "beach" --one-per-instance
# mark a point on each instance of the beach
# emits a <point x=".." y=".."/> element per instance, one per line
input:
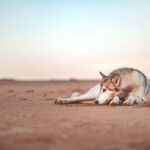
<point x="29" y="119"/>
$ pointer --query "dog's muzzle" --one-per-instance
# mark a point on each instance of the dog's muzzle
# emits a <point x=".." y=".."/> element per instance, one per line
<point x="96" y="101"/>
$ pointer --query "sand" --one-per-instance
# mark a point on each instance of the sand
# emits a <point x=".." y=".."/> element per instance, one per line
<point x="29" y="119"/>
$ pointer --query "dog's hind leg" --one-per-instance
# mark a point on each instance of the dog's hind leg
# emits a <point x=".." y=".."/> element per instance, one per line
<point x="138" y="94"/>
<point x="90" y="95"/>
<point x="136" y="97"/>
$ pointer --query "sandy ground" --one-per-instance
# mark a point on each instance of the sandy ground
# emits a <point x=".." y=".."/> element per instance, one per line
<point x="29" y="120"/>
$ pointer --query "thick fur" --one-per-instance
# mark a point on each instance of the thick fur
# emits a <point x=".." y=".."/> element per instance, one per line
<point x="126" y="86"/>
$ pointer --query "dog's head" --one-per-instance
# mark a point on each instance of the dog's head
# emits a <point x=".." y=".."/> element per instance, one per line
<point x="109" y="88"/>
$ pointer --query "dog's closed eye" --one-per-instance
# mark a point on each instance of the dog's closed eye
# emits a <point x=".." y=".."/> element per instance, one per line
<point x="104" y="90"/>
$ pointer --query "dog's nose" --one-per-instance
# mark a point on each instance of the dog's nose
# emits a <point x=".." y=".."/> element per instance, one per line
<point x="96" y="101"/>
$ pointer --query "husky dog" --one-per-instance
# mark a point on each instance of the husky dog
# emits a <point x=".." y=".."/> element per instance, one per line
<point x="126" y="86"/>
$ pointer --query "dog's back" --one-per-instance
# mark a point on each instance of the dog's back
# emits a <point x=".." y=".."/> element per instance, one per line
<point x="130" y="76"/>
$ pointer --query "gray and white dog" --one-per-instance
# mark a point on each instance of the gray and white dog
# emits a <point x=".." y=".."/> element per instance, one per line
<point x="126" y="86"/>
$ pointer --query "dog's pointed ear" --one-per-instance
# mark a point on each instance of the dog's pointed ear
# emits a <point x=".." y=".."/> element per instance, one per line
<point x="116" y="80"/>
<point x="102" y="75"/>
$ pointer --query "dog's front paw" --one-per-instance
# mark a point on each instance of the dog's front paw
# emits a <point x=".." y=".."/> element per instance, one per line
<point x="113" y="103"/>
<point x="59" y="101"/>
<point x="116" y="101"/>
<point x="126" y="103"/>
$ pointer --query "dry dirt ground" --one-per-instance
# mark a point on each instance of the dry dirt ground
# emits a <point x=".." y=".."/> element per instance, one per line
<point x="29" y="120"/>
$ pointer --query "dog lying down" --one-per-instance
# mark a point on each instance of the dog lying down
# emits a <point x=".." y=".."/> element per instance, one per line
<point x="126" y="86"/>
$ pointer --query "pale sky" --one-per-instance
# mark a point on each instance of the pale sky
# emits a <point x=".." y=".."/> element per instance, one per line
<point x="63" y="39"/>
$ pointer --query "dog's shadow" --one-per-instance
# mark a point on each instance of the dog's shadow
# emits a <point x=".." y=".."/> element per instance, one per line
<point x="91" y="103"/>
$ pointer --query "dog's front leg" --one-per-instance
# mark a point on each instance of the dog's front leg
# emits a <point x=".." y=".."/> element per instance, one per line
<point x="90" y="95"/>
<point x="69" y="100"/>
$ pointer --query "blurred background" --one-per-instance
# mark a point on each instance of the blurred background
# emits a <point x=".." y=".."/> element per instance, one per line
<point x="65" y="39"/>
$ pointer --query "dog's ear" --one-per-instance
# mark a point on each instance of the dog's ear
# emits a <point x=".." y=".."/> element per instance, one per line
<point x="116" y="80"/>
<point x="102" y="75"/>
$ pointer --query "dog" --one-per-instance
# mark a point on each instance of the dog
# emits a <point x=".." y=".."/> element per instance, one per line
<point x="126" y="86"/>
